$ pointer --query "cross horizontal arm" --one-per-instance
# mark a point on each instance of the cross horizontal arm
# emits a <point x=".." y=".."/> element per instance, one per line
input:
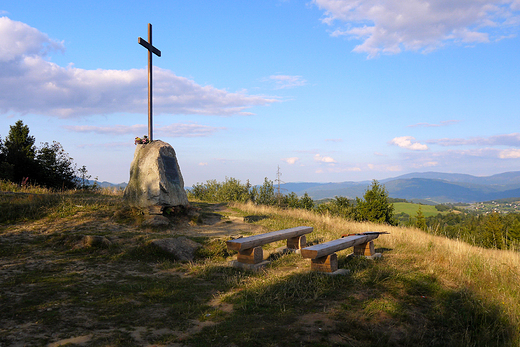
<point x="149" y="47"/>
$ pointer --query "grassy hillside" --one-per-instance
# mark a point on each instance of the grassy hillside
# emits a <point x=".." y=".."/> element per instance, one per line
<point x="58" y="289"/>
<point x="411" y="209"/>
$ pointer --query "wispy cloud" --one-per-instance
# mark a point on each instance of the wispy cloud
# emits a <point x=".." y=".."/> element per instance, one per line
<point x="441" y="124"/>
<point x="113" y="130"/>
<point x="285" y="81"/>
<point x="392" y="26"/>
<point x="425" y="164"/>
<point x="512" y="140"/>
<point x="408" y="142"/>
<point x="30" y="83"/>
<point x="334" y="140"/>
<point x="385" y="167"/>
<point x="291" y="160"/>
<point x="172" y="130"/>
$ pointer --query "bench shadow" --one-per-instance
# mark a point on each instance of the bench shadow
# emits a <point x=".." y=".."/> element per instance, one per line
<point x="254" y="218"/>
<point x="383" y="249"/>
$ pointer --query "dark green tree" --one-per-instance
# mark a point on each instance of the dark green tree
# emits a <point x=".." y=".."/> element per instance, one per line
<point x="19" y="153"/>
<point x="291" y="200"/>
<point x="306" y="202"/>
<point x="375" y="206"/>
<point x="266" y="193"/>
<point x="6" y="169"/>
<point x="339" y="206"/>
<point x="56" y="169"/>
<point x="420" y="221"/>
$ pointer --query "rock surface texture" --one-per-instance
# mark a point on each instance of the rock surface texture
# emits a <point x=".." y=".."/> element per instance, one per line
<point x="155" y="177"/>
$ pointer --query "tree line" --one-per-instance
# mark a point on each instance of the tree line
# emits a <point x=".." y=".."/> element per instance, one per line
<point x="375" y="205"/>
<point x="492" y="230"/>
<point x="48" y="165"/>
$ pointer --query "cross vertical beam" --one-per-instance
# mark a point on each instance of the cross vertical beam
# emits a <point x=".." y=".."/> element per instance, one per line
<point x="151" y="49"/>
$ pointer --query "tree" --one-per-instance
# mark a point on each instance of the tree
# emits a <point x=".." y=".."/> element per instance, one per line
<point x="6" y="169"/>
<point x="340" y="206"/>
<point x="266" y="193"/>
<point x="493" y="228"/>
<point x="375" y="206"/>
<point x="306" y="202"/>
<point x="48" y="165"/>
<point x="291" y="200"/>
<point x="84" y="176"/>
<point x="19" y="153"/>
<point x="56" y="168"/>
<point x="420" y="221"/>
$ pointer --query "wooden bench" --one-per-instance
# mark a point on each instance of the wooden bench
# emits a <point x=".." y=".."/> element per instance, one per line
<point x="250" y="250"/>
<point x="323" y="256"/>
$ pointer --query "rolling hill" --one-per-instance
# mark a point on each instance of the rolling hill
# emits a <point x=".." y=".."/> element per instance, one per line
<point x="435" y="187"/>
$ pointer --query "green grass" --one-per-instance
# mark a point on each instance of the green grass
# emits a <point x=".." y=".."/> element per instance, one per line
<point x="411" y="209"/>
<point x="130" y="294"/>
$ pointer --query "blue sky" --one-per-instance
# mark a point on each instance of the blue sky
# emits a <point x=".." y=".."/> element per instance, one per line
<point x="328" y="90"/>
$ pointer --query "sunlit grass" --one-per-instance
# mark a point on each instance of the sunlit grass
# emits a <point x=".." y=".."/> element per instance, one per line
<point x="493" y="276"/>
<point x="426" y="290"/>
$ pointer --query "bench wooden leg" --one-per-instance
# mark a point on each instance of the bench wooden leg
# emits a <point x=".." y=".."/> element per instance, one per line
<point x="366" y="249"/>
<point x="298" y="242"/>
<point x="328" y="263"/>
<point x="251" y="255"/>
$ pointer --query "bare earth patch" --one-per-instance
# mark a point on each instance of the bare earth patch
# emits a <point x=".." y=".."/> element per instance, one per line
<point x="66" y="312"/>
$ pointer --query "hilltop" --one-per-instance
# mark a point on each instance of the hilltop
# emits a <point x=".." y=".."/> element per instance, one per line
<point x="58" y="289"/>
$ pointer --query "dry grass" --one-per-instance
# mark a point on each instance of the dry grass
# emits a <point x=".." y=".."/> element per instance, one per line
<point x="425" y="291"/>
<point x="493" y="275"/>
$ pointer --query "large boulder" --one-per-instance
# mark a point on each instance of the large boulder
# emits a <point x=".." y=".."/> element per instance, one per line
<point x="155" y="178"/>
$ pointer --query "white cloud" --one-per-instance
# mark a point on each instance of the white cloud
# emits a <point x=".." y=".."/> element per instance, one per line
<point x="31" y="84"/>
<point x="19" y="39"/>
<point x="291" y="160"/>
<point x="172" y="130"/>
<point x="284" y="81"/>
<point x="407" y="142"/>
<point x="203" y="164"/>
<point x="418" y="25"/>
<point x="319" y="158"/>
<point x="509" y="154"/>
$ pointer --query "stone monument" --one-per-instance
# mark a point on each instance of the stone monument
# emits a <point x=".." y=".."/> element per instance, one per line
<point x="155" y="178"/>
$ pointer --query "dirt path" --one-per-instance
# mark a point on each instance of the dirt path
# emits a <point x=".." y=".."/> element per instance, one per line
<point x="36" y="254"/>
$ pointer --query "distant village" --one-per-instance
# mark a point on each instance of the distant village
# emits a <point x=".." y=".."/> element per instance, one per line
<point x="500" y="206"/>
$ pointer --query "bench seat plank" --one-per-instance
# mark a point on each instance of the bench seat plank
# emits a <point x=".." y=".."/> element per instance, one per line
<point x="262" y="239"/>
<point x="326" y="248"/>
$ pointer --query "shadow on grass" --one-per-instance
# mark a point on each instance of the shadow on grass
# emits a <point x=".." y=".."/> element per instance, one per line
<point x="375" y="305"/>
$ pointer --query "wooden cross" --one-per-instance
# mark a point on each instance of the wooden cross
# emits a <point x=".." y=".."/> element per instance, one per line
<point x="151" y="49"/>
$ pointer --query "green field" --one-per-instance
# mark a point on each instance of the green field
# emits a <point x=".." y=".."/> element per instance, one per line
<point x="411" y="209"/>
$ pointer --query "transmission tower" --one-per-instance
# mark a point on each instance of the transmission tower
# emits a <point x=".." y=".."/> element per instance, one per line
<point x="279" y="181"/>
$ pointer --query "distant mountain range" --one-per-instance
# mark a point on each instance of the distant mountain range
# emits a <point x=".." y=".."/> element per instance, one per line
<point x="106" y="184"/>
<point x="425" y="187"/>
<point x="428" y="187"/>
